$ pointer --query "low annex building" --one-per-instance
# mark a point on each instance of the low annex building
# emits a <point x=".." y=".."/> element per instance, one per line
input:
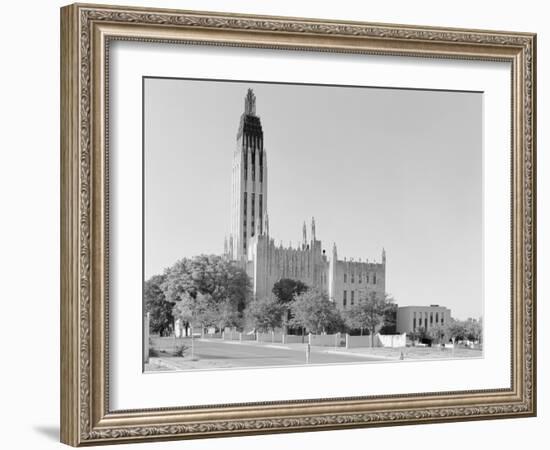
<point x="251" y="245"/>
<point x="413" y="318"/>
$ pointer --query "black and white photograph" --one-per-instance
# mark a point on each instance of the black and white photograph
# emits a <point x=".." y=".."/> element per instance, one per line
<point x="299" y="224"/>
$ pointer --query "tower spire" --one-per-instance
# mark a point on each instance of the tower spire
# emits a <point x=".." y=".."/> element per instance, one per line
<point x="313" y="228"/>
<point x="249" y="186"/>
<point x="304" y="235"/>
<point x="250" y="103"/>
<point x="383" y="255"/>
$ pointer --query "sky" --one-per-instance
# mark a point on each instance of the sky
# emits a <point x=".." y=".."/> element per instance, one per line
<point x="377" y="168"/>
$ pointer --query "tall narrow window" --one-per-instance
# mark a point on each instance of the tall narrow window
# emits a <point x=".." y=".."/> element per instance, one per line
<point x="261" y="166"/>
<point x="345" y="278"/>
<point x="374" y="278"/>
<point x="345" y="300"/>
<point x="260" y="213"/>
<point x="245" y="162"/>
<point x="253" y="215"/>
<point x="352" y="297"/>
<point x="253" y="164"/>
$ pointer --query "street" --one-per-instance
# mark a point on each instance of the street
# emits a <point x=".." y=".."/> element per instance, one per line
<point x="217" y="354"/>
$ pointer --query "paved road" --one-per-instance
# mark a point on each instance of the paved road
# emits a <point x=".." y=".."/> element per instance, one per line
<point x="210" y="354"/>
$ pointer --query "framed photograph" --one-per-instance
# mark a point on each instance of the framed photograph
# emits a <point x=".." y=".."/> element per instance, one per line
<point x="274" y="224"/>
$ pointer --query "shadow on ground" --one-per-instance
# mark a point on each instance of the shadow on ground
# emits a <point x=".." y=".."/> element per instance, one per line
<point x="49" y="431"/>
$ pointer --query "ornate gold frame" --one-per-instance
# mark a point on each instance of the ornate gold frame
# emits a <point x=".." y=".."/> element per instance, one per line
<point x="86" y="31"/>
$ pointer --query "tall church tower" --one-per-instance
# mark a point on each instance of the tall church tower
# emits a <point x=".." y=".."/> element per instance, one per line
<point x="249" y="181"/>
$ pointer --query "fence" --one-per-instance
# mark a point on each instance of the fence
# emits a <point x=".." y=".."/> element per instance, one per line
<point x="231" y="335"/>
<point x="270" y="337"/>
<point x="380" y="340"/>
<point x="392" y="340"/>
<point x="217" y="335"/>
<point x="248" y="336"/>
<point x="358" y="341"/>
<point x="327" y="340"/>
<point x="293" y="339"/>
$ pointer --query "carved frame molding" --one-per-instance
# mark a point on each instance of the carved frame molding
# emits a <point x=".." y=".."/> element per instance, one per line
<point x="86" y="31"/>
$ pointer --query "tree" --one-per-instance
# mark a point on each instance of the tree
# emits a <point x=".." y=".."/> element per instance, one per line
<point x="160" y="310"/>
<point x="369" y="313"/>
<point x="224" y="314"/>
<point x="438" y="333"/>
<point x="226" y="284"/>
<point x="417" y="334"/>
<point x="389" y="325"/>
<point x="314" y="311"/>
<point x="265" y="314"/>
<point x="473" y="329"/>
<point x="286" y="289"/>
<point x="197" y="311"/>
<point x="456" y="330"/>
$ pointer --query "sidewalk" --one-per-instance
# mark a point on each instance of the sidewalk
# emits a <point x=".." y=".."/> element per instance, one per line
<point x="385" y="353"/>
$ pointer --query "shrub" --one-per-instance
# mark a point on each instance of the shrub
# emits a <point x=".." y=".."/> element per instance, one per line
<point x="180" y="350"/>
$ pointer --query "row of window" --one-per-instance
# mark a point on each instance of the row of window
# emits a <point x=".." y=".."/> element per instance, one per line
<point x="253" y="203"/>
<point x="261" y="161"/>
<point x="345" y="298"/>
<point x="360" y="278"/>
<point x="424" y="320"/>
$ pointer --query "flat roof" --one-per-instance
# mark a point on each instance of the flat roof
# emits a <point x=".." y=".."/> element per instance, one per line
<point x="423" y="306"/>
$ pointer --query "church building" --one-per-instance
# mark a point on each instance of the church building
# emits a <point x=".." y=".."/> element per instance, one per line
<point x="251" y="245"/>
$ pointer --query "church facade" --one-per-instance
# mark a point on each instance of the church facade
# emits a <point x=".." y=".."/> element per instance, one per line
<point x="251" y="245"/>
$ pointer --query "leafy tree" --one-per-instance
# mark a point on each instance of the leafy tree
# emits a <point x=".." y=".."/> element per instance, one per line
<point x="473" y="329"/>
<point x="197" y="311"/>
<point x="286" y="289"/>
<point x="224" y="314"/>
<point x="314" y="311"/>
<point x="159" y="309"/>
<point x="417" y="335"/>
<point x="389" y="325"/>
<point x="438" y="333"/>
<point x="369" y="313"/>
<point x="456" y="329"/>
<point x="265" y="314"/>
<point x="226" y="284"/>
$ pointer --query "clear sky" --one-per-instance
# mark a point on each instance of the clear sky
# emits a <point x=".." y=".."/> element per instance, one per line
<point x="400" y="169"/>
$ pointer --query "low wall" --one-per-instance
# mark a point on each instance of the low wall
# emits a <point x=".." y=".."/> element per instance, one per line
<point x="269" y="337"/>
<point x="213" y="335"/>
<point x="391" y="340"/>
<point x="292" y="339"/>
<point x="248" y="337"/>
<point x="231" y="336"/>
<point x="358" y="341"/>
<point x="327" y="340"/>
